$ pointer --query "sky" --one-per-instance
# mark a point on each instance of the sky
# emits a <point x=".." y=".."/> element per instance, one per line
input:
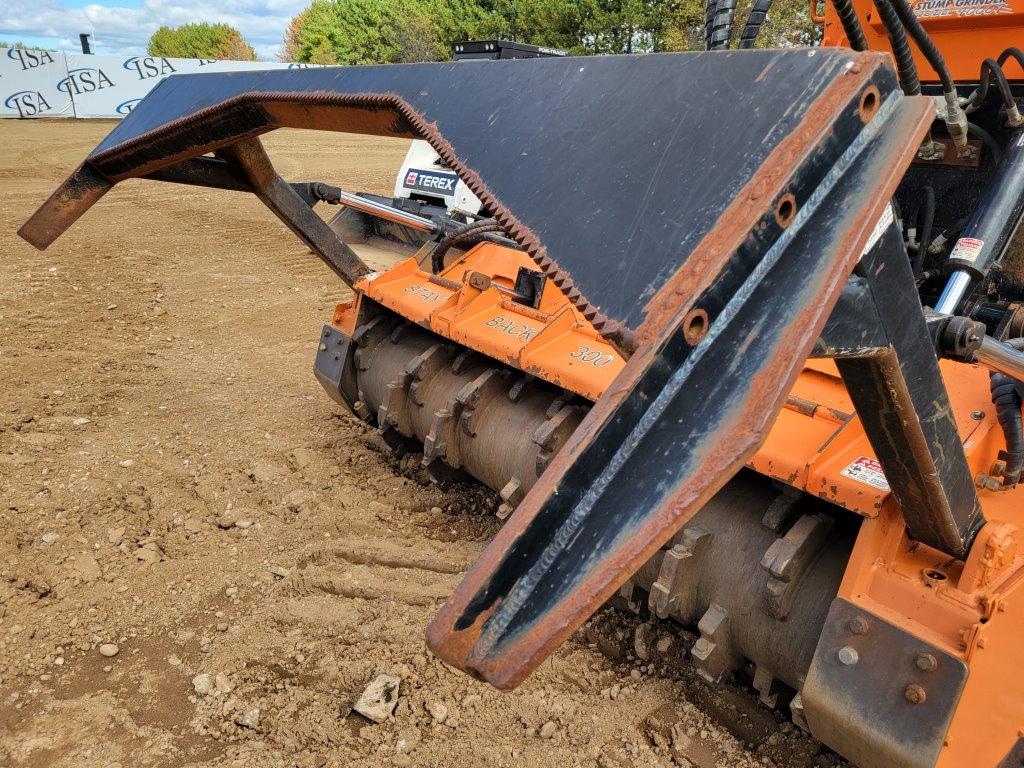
<point x="124" y="26"/>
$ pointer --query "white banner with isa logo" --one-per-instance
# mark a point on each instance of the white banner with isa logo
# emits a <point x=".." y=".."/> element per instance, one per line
<point x="29" y="84"/>
<point x="110" y="86"/>
<point x="49" y="84"/>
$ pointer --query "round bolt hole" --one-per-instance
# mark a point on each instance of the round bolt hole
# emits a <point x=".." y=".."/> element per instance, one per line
<point x="869" y="102"/>
<point x="785" y="210"/>
<point x="934" y="576"/>
<point x="695" y="326"/>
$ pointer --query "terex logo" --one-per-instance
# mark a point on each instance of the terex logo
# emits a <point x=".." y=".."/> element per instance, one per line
<point x="149" y="67"/>
<point x="84" y="80"/>
<point x="28" y="103"/>
<point x="126" y="106"/>
<point x="30" y="59"/>
<point x="431" y="181"/>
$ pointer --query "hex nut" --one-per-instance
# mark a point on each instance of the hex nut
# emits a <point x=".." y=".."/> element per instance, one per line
<point x="915" y="694"/>
<point x="848" y="655"/>
<point x="858" y="625"/>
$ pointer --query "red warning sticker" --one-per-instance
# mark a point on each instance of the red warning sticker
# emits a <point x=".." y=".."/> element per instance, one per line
<point x="967" y="249"/>
<point x="868" y="471"/>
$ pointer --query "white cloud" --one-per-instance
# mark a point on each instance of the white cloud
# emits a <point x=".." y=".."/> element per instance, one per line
<point x="126" y="30"/>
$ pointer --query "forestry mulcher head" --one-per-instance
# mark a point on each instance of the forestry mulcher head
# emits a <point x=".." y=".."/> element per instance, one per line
<point x="688" y="349"/>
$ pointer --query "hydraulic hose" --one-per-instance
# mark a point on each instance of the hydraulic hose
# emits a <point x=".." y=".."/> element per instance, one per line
<point x="1007" y="400"/>
<point x="758" y="13"/>
<point x="709" y="21"/>
<point x="460" y="235"/>
<point x="721" y="27"/>
<point x="956" y="120"/>
<point x="986" y="138"/>
<point x="905" y="67"/>
<point x="851" y="24"/>
<point x="991" y="70"/>
<point x="926" y="229"/>
<point x="1013" y="51"/>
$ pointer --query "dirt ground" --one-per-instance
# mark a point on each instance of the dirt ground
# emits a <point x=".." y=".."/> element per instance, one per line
<point x="173" y="482"/>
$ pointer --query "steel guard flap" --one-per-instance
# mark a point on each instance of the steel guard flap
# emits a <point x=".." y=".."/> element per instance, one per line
<point x="608" y="169"/>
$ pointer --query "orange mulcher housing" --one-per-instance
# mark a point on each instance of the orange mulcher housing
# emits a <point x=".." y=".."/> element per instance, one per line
<point x="966" y="31"/>
<point x="972" y="609"/>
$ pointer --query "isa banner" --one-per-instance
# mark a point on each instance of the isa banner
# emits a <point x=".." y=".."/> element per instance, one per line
<point x="50" y="84"/>
<point x="30" y="84"/>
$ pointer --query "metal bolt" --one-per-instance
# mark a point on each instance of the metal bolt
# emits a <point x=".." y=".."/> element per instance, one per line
<point x="702" y="645"/>
<point x="323" y="347"/>
<point x="915" y="694"/>
<point x="977" y="415"/>
<point x="926" y="662"/>
<point x="848" y="656"/>
<point x="858" y="625"/>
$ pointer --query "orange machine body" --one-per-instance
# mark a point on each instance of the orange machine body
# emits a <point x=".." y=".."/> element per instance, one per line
<point x="972" y="609"/>
<point x="964" y="30"/>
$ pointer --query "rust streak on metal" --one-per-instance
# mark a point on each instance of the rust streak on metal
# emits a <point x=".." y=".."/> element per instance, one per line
<point x="756" y="199"/>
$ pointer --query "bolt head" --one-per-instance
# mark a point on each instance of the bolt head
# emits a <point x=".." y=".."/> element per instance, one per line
<point x="858" y="625"/>
<point x="926" y="662"/>
<point x="848" y="655"/>
<point x="977" y="415"/>
<point x="323" y="347"/>
<point x="915" y="694"/>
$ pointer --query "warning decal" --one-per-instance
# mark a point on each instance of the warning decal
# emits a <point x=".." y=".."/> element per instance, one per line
<point x="967" y="249"/>
<point x="868" y="471"/>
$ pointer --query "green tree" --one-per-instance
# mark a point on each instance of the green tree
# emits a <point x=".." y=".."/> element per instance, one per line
<point x="20" y="45"/>
<point x="201" y="41"/>
<point x="376" y="31"/>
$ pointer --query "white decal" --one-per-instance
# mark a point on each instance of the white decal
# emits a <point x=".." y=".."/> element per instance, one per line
<point x="967" y="249"/>
<point x="868" y="471"/>
<point x="883" y="224"/>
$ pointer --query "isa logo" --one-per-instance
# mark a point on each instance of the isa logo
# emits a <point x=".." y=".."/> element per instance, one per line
<point x="148" y="67"/>
<point x="29" y="59"/>
<point x="84" y="80"/>
<point x="125" y="107"/>
<point x="27" y="103"/>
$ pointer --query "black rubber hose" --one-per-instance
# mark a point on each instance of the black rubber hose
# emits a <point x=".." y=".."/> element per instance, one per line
<point x="1013" y="51"/>
<point x="926" y="229"/>
<point x="991" y="70"/>
<point x="709" y="20"/>
<point x="1007" y="400"/>
<point x="721" y="27"/>
<point x="924" y="42"/>
<point x="851" y="24"/>
<point x="460" y="235"/>
<point x="988" y="141"/>
<point x="755" y="19"/>
<point x="905" y="67"/>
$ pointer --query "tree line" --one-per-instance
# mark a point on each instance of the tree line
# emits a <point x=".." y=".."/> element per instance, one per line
<point x="392" y="31"/>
